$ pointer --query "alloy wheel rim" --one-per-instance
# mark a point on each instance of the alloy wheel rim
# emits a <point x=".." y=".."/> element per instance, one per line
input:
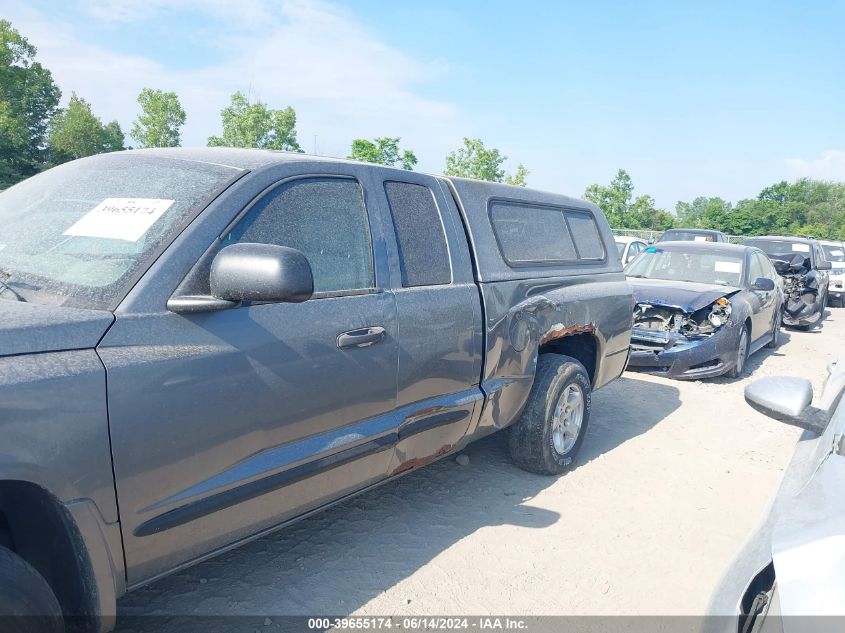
<point x="567" y="418"/>
<point x="743" y="350"/>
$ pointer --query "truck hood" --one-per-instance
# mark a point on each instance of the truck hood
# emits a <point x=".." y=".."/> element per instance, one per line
<point x="28" y="328"/>
<point x="687" y="296"/>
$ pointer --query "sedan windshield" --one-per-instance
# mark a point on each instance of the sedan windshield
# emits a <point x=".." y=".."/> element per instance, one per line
<point x="77" y="234"/>
<point x="833" y="253"/>
<point x="674" y="235"/>
<point x="707" y="268"/>
<point x="780" y="248"/>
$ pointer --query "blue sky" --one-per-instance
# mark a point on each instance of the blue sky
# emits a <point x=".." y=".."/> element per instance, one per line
<point x="691" y="98"/>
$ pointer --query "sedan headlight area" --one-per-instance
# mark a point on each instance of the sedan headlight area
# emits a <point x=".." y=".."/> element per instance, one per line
<point x="719" y="313"/>
<point x="703" y="322"/>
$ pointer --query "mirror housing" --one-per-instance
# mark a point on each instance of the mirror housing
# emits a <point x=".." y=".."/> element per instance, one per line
<point x="824" y="265"/>
<point x="764" y="284"/>
<point x="261" y="272"/>
<point x="786" y="399"/>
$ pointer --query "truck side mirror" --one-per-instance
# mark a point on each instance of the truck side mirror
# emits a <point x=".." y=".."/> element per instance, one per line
<point x="786" y="399"/>
<point x="261" y="272"/>
<point x="824" y="265"/>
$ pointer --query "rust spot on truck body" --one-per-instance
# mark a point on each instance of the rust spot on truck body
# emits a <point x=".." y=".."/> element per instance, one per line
<point x="416" y="462"/>
<point x="559" y="331"/>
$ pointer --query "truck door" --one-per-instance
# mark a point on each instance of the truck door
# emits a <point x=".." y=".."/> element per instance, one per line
<point x="226" y="423"/>
<point x="439" y="315"/>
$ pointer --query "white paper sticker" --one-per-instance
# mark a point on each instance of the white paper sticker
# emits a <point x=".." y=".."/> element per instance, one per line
<point x="120" y="218"/>
<point x="701" y="238"/>
<point x="801" y="248"/>
<point x="728" y="267"/>
<point x="837" y="253"/>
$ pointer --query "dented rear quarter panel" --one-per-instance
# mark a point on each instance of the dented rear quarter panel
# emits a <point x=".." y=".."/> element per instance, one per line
<point x="530" y="306"/>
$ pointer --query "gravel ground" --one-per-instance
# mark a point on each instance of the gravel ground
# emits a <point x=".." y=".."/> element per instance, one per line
<point x="671" y="479"/>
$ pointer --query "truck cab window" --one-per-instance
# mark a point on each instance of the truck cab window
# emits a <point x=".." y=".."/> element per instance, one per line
<point x="423" y="252"/>
<point x="325" y="218"/>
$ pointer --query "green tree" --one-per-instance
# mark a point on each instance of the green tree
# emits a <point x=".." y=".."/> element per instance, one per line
<point x="113" y="138"/>
<point x="644" y="214"/>
<point x="804" y="207"/>
<point x="614" y="199"/>
<point x="161" y="119"/>
<point x="518" y="178"/>
<point x="622" y="210"/>
<point x="75" y="133"/>
<point x="383" y="150"/>
<point x="248" y="124"/>
<point x="28" y="99"/>
<point x="474" y="160"/>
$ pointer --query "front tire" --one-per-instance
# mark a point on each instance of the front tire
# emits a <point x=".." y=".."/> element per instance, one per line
<point x="741" y="355"/>
<point x="551" y="429"/>
<point x="27" y="604"/>
<point x="776" y="330"/>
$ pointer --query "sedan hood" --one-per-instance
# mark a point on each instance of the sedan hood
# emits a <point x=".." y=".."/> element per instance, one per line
<point x="687" y="296"/>
<point x="27" y="328"/>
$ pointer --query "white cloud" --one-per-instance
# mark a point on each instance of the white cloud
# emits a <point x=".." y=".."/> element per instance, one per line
<point x="829" y="166"/>
<point x="343" y="81"/>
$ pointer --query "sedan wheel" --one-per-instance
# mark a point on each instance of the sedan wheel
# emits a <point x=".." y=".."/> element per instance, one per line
<point x="741" y="355"/>
<point x="776" y="331"/>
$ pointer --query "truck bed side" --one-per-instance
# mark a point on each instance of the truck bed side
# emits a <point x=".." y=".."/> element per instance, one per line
<point x="578" y="308"/>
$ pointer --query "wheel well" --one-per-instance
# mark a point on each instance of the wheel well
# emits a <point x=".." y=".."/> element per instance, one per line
<point x="38" y="528"/>
<point x="582" y="347"/>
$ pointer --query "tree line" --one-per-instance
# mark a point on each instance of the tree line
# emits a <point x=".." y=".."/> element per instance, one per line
<point x="806" y="207"/>
<point x="36" y="134"/>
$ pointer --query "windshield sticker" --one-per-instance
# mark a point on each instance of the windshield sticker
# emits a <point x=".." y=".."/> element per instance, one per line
<point x="701" y="238"/>
<point x="120" y="218"/>
<point x="837" y="253"/>
<point x="801" y="248"/>
<point x="728" y="267"/>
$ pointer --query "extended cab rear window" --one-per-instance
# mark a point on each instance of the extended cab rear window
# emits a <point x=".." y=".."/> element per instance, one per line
<point x="540" y="234"/>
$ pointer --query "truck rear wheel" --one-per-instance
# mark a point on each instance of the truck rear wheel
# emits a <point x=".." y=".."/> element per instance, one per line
<point x="27" y="604"/>
<point x="549" y="434"/>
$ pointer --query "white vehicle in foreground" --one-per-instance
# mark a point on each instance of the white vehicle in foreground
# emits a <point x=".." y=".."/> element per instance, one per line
<point x="790" y="575"/>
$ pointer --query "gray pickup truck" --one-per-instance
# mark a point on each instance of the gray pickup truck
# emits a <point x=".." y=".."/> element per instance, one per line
<point x="200" y="346"/>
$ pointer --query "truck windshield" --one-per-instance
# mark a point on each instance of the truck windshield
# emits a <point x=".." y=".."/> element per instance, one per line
<point x="708" y="268"/>
<point x="77" y="234"/>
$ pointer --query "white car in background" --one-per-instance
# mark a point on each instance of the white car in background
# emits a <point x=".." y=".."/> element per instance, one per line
<point x="629" y="247"/>
<point x="834" y="252"/>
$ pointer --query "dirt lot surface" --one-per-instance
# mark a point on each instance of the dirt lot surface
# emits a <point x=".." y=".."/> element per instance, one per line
<point x="672" y="478"/>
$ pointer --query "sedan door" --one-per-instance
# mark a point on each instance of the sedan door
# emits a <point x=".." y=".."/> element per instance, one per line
<point x="227" y="423"/>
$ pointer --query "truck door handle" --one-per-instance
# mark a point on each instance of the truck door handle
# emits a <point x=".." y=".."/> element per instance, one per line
<point x="362" y="337"/>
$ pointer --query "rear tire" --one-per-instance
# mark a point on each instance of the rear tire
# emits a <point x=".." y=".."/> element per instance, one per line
<point x="27" y="604"/>
<point x="551" y="429"/>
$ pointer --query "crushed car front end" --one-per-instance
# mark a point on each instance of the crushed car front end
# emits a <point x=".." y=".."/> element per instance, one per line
<point x="803" y="303"/>
<point x="682" y="342"/>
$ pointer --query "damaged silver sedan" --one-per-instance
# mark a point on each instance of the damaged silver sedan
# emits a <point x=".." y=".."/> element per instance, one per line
<point x="701" y="309"/>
